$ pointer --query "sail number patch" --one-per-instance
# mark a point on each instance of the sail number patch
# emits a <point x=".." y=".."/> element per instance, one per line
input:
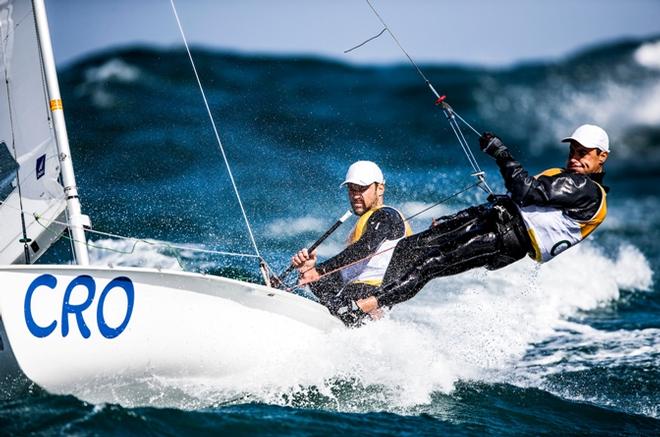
<point x="87" y="284"/>
<point x="41" y="166"/>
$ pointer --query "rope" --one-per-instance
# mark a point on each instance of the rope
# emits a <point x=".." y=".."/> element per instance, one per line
<point x="215" y="131"/>
<point x="366" y="41"/>
<point x="478" y="173"/>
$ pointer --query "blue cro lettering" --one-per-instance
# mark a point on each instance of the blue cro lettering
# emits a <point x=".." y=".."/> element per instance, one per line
<point x="38" y="331"/>
<point x="126" y="285"/>
<point x="68" y="308"/>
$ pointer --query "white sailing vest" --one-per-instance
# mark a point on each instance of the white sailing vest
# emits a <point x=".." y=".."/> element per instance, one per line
<point x="552" y="232"/>
<point x="371" y="270"/>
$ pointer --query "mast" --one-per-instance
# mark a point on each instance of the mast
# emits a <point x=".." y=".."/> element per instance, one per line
<point x="77" y="221"/>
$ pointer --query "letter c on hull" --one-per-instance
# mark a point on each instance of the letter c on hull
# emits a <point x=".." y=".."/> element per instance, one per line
<point x="38" y="331"/>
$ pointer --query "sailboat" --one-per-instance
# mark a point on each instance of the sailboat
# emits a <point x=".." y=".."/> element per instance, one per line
<point x="67" y="326"/>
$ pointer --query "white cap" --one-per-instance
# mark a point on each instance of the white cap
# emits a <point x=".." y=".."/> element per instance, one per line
<point x="591" y="137"/>
<point x="363" y="173"/>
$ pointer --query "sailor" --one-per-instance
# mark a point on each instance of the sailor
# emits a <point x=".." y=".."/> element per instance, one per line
<point x="358" y="270"/>
<point x="540" y="216"/>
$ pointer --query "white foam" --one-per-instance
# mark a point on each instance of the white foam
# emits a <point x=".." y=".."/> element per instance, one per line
<point x="561" y="105"/>
<point x="648" y="55"/>
<point x="96" y="78"/>
<point x="647" y="110"/>
<point x="113" y="70"/>
<point x="576" y="348"/>
<point x="633" y="272"/>
<point x="478" y="325"/>
<point x="617" y="106"/>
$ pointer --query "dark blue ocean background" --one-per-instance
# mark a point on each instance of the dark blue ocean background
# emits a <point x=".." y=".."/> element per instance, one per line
<point x="572" y="347"/>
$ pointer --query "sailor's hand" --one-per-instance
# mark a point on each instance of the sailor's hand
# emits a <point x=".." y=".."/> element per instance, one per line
<point x="492" y="145"/>
<point x="370" y="306"/>
<point x="305" y="262"/>
<point x="367" y="304"/>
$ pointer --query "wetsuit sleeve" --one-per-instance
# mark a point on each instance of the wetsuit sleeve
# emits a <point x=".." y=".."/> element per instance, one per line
<point x="386" y="223"/>
<point x="576" y="194"/>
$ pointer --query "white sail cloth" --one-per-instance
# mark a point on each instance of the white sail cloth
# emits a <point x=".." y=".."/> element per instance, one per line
<point x="26" y="130"/>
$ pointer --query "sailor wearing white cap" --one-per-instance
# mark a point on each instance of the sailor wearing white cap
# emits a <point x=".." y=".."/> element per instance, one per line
<point x="358" y="270"/>
<point x="591" y="137"/>
<point x="540" y="216"/>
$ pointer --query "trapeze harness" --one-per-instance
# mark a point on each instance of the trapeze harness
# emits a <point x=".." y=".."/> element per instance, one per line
<point x="552" y="231"/>
<point x="359" y="269"/>
<point x="498" y="233"/>
<point x="371" y="271"/>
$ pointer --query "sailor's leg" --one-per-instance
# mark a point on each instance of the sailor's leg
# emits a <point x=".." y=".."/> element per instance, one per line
<point x="478" y="251"/>
<point x="448" y="233"/>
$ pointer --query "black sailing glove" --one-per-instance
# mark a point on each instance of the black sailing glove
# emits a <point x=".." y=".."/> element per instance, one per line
<point x="492" y="145"/>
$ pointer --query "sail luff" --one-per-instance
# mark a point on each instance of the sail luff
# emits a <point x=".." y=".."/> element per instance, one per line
<point x="77" y="221"/>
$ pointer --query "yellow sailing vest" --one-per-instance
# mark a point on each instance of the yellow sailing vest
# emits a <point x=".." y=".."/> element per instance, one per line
<point x="372" y="270"/>
<point x="552" y="232"/>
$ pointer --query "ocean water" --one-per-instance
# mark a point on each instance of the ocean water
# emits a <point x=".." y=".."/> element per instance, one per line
<point x="572" y="346"/>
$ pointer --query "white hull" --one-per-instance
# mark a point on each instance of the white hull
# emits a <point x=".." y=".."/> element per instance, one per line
<point x="69" y="326"/>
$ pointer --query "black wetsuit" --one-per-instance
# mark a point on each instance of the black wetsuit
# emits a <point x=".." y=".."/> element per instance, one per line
<point x="491" y="235"/>
<point x="332" y="291"/>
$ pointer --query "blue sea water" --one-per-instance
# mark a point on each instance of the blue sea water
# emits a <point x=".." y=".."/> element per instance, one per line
<point x="569" y="347"/>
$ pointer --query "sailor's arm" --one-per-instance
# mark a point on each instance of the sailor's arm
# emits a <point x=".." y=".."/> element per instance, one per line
<point x="324" y="288"/>
<point x="305" y="262"/>
<point x="563" y="190"/>
<point x="368" y="305"/>
<point x="381" y="226"/>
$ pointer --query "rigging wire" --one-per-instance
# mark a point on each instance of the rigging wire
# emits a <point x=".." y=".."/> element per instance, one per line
<point x="215" y="131"/>
<point x="39" y="218"/>
<point x="448" y="110"/>
<point x="396" y="40"/>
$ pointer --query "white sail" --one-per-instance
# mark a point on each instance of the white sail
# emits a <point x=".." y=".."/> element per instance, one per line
<point x="27" y="141"/>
